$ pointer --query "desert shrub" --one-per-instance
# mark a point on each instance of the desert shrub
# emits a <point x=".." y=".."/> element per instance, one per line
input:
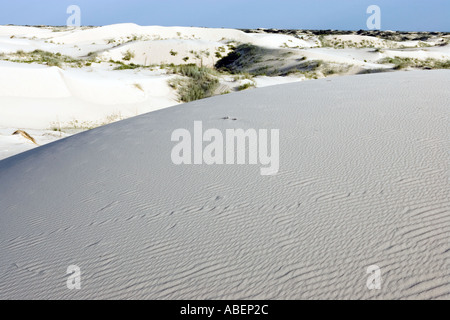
<point x="438" y="64"/>
<point x="245" y="86"/>
<point x="47" y="58"/>
<point x="242" y="75"/>
<point x="123" y="66"/>
<point x="199" y="82"/>
<point x="92" y="54"/>
<point x="405" y="62"/>
<point x="128" y="55"/>
<point x="138" y="86"/>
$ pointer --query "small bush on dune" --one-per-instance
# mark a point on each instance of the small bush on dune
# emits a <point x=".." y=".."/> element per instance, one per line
<point x="245" y="86"/>
<point x="20" y="53"/>
<point x="128" y="55"/>
<point x="138" y="86"/>
<point x="193" y="71"/>
<point x="92" y="55"/>
<point x="201" y="82"/>
<point x="122" y="66"/>
<point x="47" y="58"/>
<point x="401" y="63"/>
<point x="242" y="75"/>
<point x="442" y="64"/>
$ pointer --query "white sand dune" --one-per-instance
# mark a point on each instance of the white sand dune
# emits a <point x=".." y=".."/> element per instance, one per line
<point x="363" y="180"/>
<point x="13" y="144"/>
<point x="427" y="53"/>
<point x="34" y="96"/>
<point x="124" y="30"/>
<point x="158" y="52"/>
<point x="24" y="31"/>
<point x="85" y="95"/>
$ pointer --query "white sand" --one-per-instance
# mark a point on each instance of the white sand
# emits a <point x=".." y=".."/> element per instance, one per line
<point x="363" y="180"/>
<point x="13" y="144"/>
<point x="34" y="96"/>
<point x="38" y="98"/>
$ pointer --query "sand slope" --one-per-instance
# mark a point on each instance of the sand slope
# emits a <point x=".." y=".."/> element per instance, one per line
<point x="37" y="97"/>
<point x="363" y="180"/>
<point x="71" y="79"/>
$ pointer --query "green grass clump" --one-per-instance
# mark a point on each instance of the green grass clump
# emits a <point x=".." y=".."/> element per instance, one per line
<point x="46" y="58"/>
<point x="128" y="55"/>
<point x="442" y="64"/>
<point x="401" y="63"/>
<point x="245" y="86"/>
<point x="192" y="71"/>
<point x="123" y="66"/>
<point x="199" y="82"/>
<point x="242" y="76"/>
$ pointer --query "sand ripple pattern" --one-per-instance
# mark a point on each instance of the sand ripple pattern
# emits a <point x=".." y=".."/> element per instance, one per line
<point x="364" y="179"/>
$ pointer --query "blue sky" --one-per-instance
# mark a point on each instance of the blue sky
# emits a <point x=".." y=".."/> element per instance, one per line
<point x="407" y="15"/>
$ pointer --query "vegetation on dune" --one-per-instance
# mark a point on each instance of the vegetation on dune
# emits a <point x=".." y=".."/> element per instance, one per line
<point x="248" y="59"/>
<point x="329" y="41"/>
<point x="256" y="61"/>
<point x="60" y="60"/>
<point x="128" y="55"/>
<point x="236" y="61"/>
<point x="138" y="86"/>
<point x="76" y="125"/>
<point x="47" y="58"/>
<point x="245" y="86"/>
<point x="336" y="43"/>
<point x="242" y="57"/>
<point x="123" y="66"/>
<point x="242" y="76"/>
<point x="197" y="82"/>
<point x="401" y="63"/>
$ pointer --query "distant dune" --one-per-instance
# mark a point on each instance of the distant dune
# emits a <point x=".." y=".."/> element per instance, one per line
<point x="57" y="81"/>
<point x="363" y="181"/>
